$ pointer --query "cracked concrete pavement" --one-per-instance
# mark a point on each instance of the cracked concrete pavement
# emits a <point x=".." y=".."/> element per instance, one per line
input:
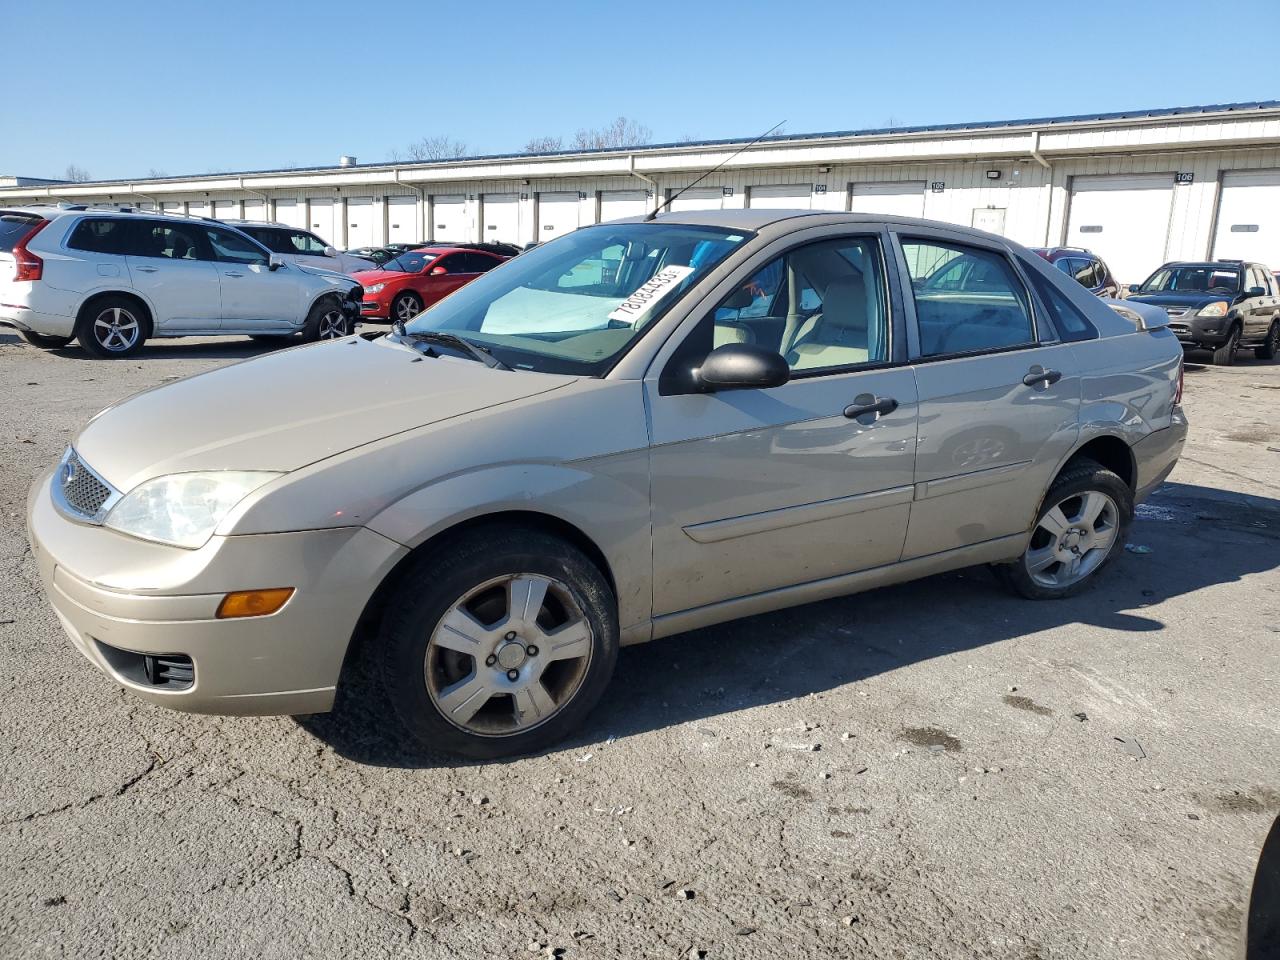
<point x="854" y="778"/>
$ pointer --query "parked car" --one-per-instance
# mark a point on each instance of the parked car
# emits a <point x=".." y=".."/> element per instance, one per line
<point x="401" y="288"/>
<point x="631" y="431"/>
<point x="113" y="279"/>
<point x="376" y="255"/>
<point x="1085" y="267"/>
<point x="301" y="246"/>
<point x="1218" y="305"/>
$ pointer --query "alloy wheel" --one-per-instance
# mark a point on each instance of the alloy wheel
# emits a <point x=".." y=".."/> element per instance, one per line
<point x="333" y="325"/>
<point x="1073" y="539"/>
<point x="116" y="329"/>
<point x="508" y="655"/>
<point x="407" y="308"/>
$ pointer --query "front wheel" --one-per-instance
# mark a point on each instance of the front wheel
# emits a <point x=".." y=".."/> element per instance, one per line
<point x="405" y="307"/>
<point x="1225" y="355"/>
<point x="326" y="321"/>
<point x="1270" y="346"/>
<point x="1079" y="528"/>
<point x="500" y="645"/>
<point x="43" y="340"/>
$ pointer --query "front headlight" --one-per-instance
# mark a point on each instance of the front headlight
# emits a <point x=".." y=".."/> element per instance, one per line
<point x="184" y="509"/>
<point x="1216" y="309"/>
<point x="375" y="288"/>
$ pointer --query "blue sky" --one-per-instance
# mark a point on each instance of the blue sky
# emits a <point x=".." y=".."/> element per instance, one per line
<point x="187" y="88"/>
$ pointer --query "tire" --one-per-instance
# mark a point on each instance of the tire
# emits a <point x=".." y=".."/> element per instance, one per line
<point x="326" y="321"/>
<point x="405" y="307"/>
<point x="1045" y="569"/>
<point x="1225" y="355"/>
<point x="43" y="340"/>
<point x="428" y="668"/>
<point x="1271" y="345"/>
<point x="113" y="327"/>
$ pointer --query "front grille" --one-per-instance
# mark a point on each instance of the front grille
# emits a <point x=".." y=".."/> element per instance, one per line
<point x="82" y="491"/>
<point x="1175" y="311"/>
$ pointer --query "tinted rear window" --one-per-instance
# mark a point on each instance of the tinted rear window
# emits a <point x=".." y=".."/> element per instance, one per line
<point x="15" y="226"/>
<point x="101" y="236"/>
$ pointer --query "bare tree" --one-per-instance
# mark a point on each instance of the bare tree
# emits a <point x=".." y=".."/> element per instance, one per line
<point x="620" y="134"/>
<point x="77" y="174"/>
<point x="436" y="148"/>
<point x="544" y="145"/>
<point x="154" y="174"/>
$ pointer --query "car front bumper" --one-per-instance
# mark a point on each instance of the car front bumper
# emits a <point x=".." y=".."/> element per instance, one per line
<point x="120" y="599"/>
<point x="1196" y="331"/>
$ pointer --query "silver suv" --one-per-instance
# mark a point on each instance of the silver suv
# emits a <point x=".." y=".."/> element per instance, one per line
<point x="112" y="279"/>
<point x="631" y="431"/>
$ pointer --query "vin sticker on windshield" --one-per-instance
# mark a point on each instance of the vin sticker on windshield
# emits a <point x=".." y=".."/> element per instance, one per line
<point x="647" y="294"/>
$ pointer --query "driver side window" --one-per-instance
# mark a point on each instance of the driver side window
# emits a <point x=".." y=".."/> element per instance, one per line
<point x="233" y="248"/>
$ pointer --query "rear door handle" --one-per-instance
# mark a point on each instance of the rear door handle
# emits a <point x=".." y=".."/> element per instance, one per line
<point x="1038" y="374"/>
<point x="228" y="273"/>
<point x="866" y="403"/>
<point x="146" y="269"/>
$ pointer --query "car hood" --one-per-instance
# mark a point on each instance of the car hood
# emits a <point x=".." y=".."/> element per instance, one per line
<point x="1193" y="299"/>
<point x="284" y="410"/>
<point x="333" y="276"/>
<point x="367" y="278"/>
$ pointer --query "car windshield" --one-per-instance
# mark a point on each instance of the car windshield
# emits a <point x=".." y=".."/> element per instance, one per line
<point x="1197" y="279"/>
<point x="575" y="304"/>
<point x="409" y="262"/>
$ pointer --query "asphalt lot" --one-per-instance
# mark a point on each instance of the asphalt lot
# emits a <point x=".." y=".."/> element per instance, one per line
<point x="858" y="777"/>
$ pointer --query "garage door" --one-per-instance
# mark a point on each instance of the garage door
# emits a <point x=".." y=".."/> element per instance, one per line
<point x="1124" y="220"/>
<point x="791" y="196"/>
<point x="501" y="212"/>
<point x="449" y="216"/>
<point x="171" y="206"/>
<point x="255" y="210"/>
<point x="360" y="232"/>
<point x="225" y="209"/>
<point x="291" y="213"/>
<point x="200" y="208"/>
<point x="1249" y="218"/>
<point x="320" y="220"/>
<point x="616" y="204"/>
<point x="902" y="198"/>
<point x="699" y="198"/>
<point x="402" y="220"/>
<point x="557" y="214"/>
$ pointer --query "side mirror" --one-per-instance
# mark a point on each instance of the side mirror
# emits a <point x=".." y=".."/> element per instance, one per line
<point x="330" y="251"/>
<point x="742" y="366"/>
<point x="1256" y="292"/>
<point x="1133" y="287"/>
<point x="275" y="262"/>
<point x="437" y="272"/>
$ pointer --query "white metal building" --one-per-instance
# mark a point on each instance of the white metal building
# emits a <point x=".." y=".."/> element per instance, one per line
<point x="1137" y="188"/>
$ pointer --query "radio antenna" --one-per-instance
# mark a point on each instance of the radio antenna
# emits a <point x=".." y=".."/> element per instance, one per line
<point x="675" y="196"/>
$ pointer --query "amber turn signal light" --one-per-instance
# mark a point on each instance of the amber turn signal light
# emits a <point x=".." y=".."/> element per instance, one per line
<point x="253" y="603"/>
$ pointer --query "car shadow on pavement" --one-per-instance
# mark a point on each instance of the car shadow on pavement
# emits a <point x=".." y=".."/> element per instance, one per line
<point x="1186" y="538"/>
<point x="229" y="348"/>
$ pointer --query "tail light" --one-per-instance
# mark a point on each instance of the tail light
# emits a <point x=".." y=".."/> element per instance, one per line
<point x="1177" y="393"/>
<point x="28" y="265"/>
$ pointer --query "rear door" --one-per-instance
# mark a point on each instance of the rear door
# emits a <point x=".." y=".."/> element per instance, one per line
<point x="999" y="394"/>
<point x="171" y="264"/>
<point x="254" y="297"/>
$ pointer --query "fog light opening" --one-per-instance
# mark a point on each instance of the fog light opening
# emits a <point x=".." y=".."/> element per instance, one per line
<point x="253" y="603"/>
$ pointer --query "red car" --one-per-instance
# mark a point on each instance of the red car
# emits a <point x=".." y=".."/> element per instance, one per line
<point x="402" y="288"/>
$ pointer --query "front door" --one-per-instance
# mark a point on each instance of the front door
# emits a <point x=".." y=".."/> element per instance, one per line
<point x="254" y="297"/>
<point x="999" y="398"/>
<point x="170" y="264"/>
<point x="757" y="489"/>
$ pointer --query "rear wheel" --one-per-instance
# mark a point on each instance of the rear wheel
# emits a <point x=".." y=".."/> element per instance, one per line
<point x="1271" y="345"/>
<point x="1078" y="530"/>
<point x="405" y="307"/>
<point x="499" y="646"/>
<point x="43" y="340"/>
<point x="113" y="327"/>
<point x="1225" y="355"/>
<point x="326" y="321"/>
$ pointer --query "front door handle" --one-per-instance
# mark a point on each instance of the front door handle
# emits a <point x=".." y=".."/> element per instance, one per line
<point x="230" y="274"/>
<point x="866" y="403"/>
<point x="146" y="269"/>
<point x="1039" y="374"/>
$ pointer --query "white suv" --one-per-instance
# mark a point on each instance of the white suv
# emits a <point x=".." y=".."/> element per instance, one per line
<point x="112" y="279"/>
<point x="301" y="246"/>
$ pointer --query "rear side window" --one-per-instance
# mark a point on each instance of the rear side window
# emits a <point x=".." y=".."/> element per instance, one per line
<point x="15" y="226"/>
<point x="172" y="241"/>
<point x="968" y="300"/>
<point x="1071" y="324"/>
<point x="101" y="236"/>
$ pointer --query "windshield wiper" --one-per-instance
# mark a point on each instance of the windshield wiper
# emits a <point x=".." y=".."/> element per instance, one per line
<point x="483" y="354"/>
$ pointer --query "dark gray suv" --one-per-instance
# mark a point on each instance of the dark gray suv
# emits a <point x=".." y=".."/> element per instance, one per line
<point x="1218" y="305"/>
